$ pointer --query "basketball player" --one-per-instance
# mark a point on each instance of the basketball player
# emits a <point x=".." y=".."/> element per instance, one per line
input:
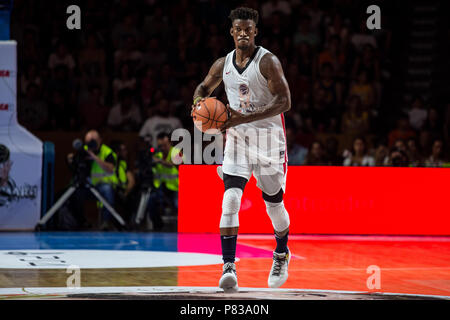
<point x="258" y="95"/>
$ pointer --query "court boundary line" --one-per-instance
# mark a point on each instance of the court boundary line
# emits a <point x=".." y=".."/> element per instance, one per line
<point x="347" y="237"/>
<point x="8" y="293"/>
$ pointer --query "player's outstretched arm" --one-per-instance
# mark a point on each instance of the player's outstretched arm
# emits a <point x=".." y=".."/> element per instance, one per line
<point x="272" y="70"/>
<point x="211" y="81"/>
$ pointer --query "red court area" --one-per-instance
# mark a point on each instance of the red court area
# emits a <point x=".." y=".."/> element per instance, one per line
<point x="411" y="265"/>
<point x="327" y="200"/>
<point x="387" y="229"/>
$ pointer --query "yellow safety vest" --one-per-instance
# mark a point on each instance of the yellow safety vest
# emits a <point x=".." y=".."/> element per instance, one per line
<point x="163" y="174"/>
<point x="122" y="174"/>
<point x="98" y="175"/>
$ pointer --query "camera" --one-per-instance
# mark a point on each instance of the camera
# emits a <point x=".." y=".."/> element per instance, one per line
<point x="81" y="161"/>
<point x="399" y="158"/>
<point x="145" y="166"/>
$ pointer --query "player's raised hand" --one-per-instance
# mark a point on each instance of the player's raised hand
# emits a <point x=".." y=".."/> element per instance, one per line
<point x="234" y="118"/>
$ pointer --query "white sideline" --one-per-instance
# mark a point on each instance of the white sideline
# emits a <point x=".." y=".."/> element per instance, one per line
<point x="32" y="291"/>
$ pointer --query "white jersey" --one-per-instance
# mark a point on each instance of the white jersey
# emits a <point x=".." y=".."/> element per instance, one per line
<point x="247" y="91"/>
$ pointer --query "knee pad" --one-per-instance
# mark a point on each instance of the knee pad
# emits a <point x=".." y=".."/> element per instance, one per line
<point x="278" y="215"/>
<point x="230" y="208"/>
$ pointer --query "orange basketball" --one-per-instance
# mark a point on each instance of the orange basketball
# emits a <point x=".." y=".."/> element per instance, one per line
<point x="209" y="115"/>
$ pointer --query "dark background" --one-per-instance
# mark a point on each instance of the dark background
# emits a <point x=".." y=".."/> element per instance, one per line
<point x="69" y="80"/>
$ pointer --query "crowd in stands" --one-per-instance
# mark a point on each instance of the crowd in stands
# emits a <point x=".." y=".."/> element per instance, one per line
<point x="134" y="66"/>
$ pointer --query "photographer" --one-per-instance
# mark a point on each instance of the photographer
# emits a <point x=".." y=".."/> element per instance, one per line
<point x="102" y="162"/>
<point x="165" y="169"/>
<point x="398" y="158"/>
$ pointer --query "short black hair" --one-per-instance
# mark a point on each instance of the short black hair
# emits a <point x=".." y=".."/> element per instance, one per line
<point x="163" y="135"/>
<point x="115" y="145"/>
<point x="244" y="13"/>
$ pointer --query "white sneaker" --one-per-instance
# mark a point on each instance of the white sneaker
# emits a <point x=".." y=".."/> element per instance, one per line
<point x="279" y="272"/>
<point x="228" y="281"/>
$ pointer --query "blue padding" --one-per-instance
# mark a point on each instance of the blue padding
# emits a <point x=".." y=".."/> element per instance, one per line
<point x="5" y="19"/>
<point x="90" y="240"/>
<point x="48" y="176"/>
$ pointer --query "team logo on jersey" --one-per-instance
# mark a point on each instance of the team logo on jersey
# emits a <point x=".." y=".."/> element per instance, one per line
<point x="244" y="90"/>
<point x="244" y="96"/>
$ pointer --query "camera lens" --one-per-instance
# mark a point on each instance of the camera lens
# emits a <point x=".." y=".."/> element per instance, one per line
<point x="92" y="145"/>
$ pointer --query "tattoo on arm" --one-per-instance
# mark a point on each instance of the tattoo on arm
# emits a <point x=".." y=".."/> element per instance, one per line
<point x="212" y="79"/>
<point x="272" y="70"/>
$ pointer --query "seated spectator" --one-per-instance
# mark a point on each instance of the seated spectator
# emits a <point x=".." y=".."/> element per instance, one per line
<point x="166" y="81"/>
<point x="316" y="14"/>
<point x="276" y="28"/>
<point x="148" y="86"/>
<point x="126" y="27"/>
<point x="61" y="57"/>
<point x="398" y="158"/>
<point x="162" y="120"/>
<point x="192" y="30"/>
<point x="381" y="155"/>
<point x="338" y="28"/>
<point x="305" y="60"/>
<point x="417" y="114"/>
<point x="436" y="159"/>
<point x="355" y="121"/>
<point x="327" y="97"/>
<point x="93" y="112"/>
<point x="294" y="80"/>
<point x="30" y="77"/>
<point x="333" y="55"/>
<point x="400" y="145"/>
<point x="155" y="57"/>
<point x="62" y="115"/>
<point x="368" y="61"/>
<point x="29" y="50"/>
<point x="126" y="180"/>
<point x="363" y="36"/>
<point x="32" y="110"/>
<point x="424" y="143"/>
<point x="156" y="24"/>
<point x="358" y="156"/>
<point x="414" y="155"/>
<point x="328" y="83"/>
<point x="316" y="155"/>
<point x="296" y="152"/>
<point x="434" y="124"/>
<point x="92" y="62"/>
<point x="364" y="90"/>
<point x="130" y="54"/>
<point x="403" y="131"/>
<point x="317" y="118"/>
<point x="333" y="158"/>
<point x="62" y="81"/>
<point x="304" y="33"/>
<point x="124" y="80"/>
<point x="447" y="126"/>
<point x="272" y="6"/>
<point x="126" y="115"/>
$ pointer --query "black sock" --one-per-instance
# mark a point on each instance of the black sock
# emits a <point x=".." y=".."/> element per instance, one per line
<point x="281" y="243"/>
<point x="228" y="248"/>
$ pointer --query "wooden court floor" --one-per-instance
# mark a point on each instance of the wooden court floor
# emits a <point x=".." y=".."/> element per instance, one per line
<point x="367" y="264"/>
